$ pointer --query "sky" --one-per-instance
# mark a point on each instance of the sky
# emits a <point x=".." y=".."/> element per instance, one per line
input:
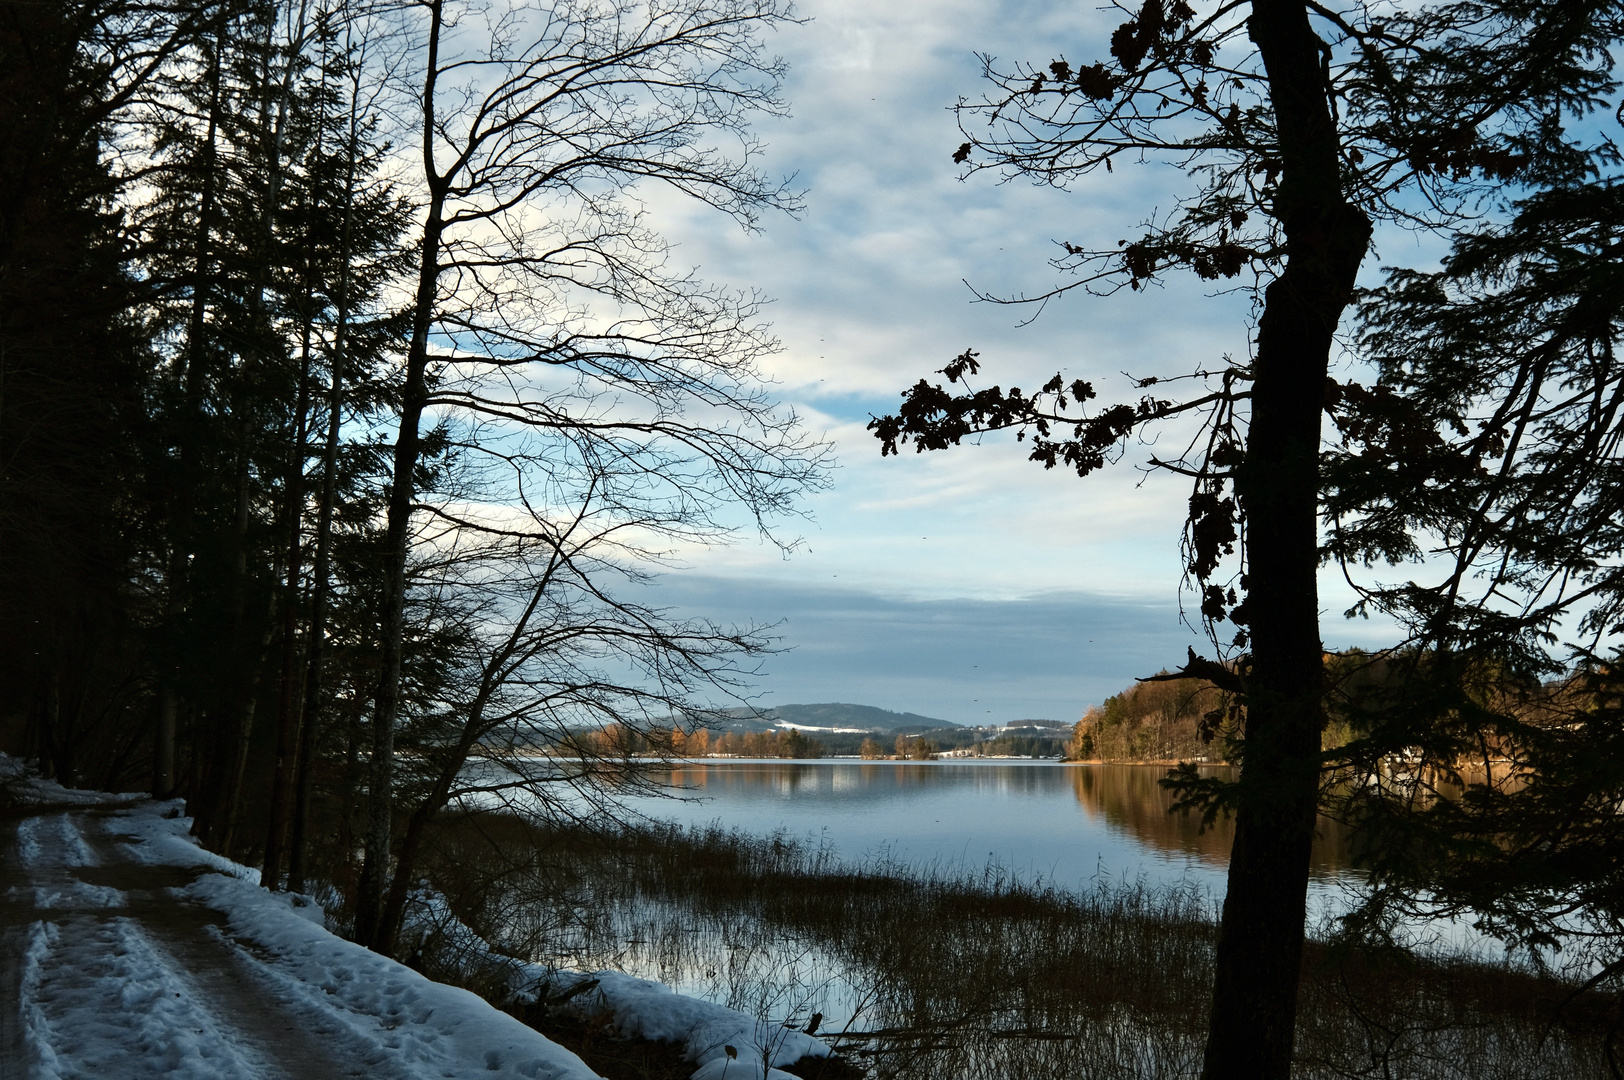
<point x="968" y="585"/>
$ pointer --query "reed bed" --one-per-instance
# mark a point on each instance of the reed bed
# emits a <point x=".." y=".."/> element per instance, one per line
<point x="933" y="972"/>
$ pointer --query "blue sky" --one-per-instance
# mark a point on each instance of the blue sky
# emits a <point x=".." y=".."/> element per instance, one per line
<point x="968" y="585"/>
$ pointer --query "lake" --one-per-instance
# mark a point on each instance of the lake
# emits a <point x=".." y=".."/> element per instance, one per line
<point x="933" y="981"/>
<point x="866" y="959"/>
<point x="1062" y="824"/>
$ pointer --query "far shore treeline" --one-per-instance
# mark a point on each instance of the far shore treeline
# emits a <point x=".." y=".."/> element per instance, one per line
<point x="1020" y="739"/>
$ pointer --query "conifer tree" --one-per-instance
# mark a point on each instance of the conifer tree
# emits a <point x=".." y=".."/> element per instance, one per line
<point x="1483" y="471"/>
<point x="341" y="233"/>
<point x="72" y="387"/>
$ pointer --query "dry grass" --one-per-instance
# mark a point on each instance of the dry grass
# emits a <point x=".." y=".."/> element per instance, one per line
<point x="933" y="975"/>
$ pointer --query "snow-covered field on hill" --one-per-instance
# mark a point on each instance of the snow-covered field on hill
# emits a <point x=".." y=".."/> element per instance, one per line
<point x="130" y="953"/>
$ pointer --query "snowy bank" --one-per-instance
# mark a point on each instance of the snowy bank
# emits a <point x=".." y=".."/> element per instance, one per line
<point x="109" y="989"/>
<point x="381" y="1014"/>
<point x="723" y="1042"/>
<point x="720" y="1041"/>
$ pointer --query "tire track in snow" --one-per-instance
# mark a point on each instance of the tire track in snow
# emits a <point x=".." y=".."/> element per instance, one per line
<point x="123" y="978"/>
<point x="99" y="1000"/>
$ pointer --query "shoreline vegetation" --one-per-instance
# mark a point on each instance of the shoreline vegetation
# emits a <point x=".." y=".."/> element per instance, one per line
<point x="926" y="972"/>
<point x="1163" y="722"/>
<point x="1024" y="740"/>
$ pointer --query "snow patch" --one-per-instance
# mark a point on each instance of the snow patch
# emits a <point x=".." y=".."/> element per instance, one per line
<point x="423" y="1029"/>
<point x="787" y="726"/>
<point x="722" y="1041"/>
<point x="97" y="994"/>
<point x="99" y="997"/>
<point x="73" y="895"/>
<point x="52" y="841"/>
<point x="157" y="835"/>
<point x="36" y="1029"/>
<point x="24" y="785"/>
<point x="719" y="1040"/>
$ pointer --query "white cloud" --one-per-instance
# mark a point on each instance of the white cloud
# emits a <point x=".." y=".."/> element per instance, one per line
<point x="870" y="297"/>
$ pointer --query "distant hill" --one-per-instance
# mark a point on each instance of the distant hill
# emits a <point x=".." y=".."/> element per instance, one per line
<point x="839" y="729"/>
<point x="836" y="715"/>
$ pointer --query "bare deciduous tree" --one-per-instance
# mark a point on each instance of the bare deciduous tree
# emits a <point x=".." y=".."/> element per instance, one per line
<point x="545" y="306"/>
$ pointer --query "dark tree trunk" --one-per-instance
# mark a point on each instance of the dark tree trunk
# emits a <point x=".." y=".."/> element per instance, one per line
<point x="380" y="781"/>
<point x="394" y="905"/>
<point x="290" y="700"/>
<point x="321" y="570"/>
<point x="451" y="766"/>
<point x="414" y="396"/>
<point x="1261" y="936"/>
<point x="248" y="656"/>
<point x="350" y="790"/>
<point x="274" y="106"/>
<point x="163" y="744"/>
<point x="245" y="711"/>
<point x="320" y="573"/>
<point x="182" y="523"/>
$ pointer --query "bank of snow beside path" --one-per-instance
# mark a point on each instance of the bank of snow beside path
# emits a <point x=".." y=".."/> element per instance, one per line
<point x="386" y="1020"/>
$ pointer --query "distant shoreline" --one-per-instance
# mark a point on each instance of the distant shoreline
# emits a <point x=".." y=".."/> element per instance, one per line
<point x="725" y="759"/>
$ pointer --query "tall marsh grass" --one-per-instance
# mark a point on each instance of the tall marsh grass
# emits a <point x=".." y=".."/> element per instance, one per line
<point x="942" y="974"/>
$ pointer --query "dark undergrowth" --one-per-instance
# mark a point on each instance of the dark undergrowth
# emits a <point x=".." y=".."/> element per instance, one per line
<point x="932" y="974"/>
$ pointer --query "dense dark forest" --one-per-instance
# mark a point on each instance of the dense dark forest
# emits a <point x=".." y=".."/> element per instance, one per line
<point x="346" y="399"/>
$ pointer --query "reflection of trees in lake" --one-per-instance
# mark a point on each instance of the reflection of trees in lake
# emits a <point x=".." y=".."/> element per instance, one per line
<point x="1125" y="798"/>
<point x="783" y="778"/>
<point x="1128" y="797"/>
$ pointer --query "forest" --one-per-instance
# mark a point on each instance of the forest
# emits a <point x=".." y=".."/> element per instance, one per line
<point x="1151" y="721"/>
<point x="349" y="399"/>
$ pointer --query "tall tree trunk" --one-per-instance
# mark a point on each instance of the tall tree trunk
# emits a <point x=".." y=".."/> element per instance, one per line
<point x="288" y="716"/>
<point x="380" y="782"/>
<point x="182" y="522"/>
<point x="315" y="657"/>
<point x="274" y="114"/>
<point x="350" y="790"/>
<point x="250" y="655"/>
<point x="321" y="571"/>
<point x="163" y="743"/>
<point x="497" y="666"/>
<point x="414" y="397"/>
<point x="1261" y="935"/>
<point x="394" y="905"/>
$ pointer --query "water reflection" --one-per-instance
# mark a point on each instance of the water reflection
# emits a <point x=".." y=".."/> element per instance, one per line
<point x="1063" y="823"/>
<point x="1130" y="798"/>
<point x="1109" y="982"/>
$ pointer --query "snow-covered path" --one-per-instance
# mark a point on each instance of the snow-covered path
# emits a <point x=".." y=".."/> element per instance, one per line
<point x="128" y="953"/>
<point x="114" y="976"/>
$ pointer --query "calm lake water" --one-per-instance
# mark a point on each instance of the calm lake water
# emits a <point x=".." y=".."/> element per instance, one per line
<point x="1063" y="824"/>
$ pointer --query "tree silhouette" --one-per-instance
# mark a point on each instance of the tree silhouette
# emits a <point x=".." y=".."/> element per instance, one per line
<point x="1301" y="126"/>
